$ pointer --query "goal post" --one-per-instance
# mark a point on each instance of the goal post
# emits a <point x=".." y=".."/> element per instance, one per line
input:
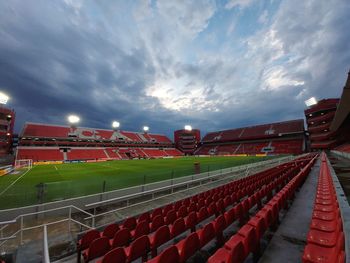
<point x="24" y="164"/>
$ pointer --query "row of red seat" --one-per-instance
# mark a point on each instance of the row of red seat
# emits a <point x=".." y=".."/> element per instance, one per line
<point x="91" y="153"/>
<point x="325" y="239"/>
<point x="247" y="239"/>
<point x="188" y="218"/>
<point x="187" y="247"/>
<point x="139" y="227"/>
<point x="269" y="147"/>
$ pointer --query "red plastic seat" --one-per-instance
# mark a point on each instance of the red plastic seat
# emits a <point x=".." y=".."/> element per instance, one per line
<point x="192" y="207"/>
<point x="314" y="253"/>
<point x="121" y="238"/>
<point x="169" y="255"/>
<point x="141" y="229"/>
<point x="234" y="255"/>
<point x="188" y="247"/>
<point x="170" y="217"/>
<point x="157" y="222"/>
<point x="97" y="248"/>
<point x="220" y="206"/>
<point x="230" y="216"/>
<point x="130" y="223"/>
<point x="115" y="255"/>
<point x="206" y="234"/>
<point x="110" y="231"/>
<point x="202" y="214"/>
<point x="182" y="212"/>
<point x="144" y="217"/>
<point x="156" y="212"/>
<point x="248" y="236"/>
<point x="86" y="240"/>
<point x="259" y="224"/>
<point x="219" y="225"/>
<point x="191" y="221"/>
<point x="138" y="248"/>
<point x="321" y="238"/>
<point x="167" y="208"/>
<point x="227" y="201"/>
<point x="178" y="227"/>
<point x="326" y="226"/>
<point x="161" y="236"/>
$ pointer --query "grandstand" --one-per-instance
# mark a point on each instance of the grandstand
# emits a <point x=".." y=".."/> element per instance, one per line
<point x="44" y="142"/>
<point x="274" y="138"/>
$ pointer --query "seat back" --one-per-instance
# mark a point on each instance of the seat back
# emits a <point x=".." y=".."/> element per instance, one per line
<point x="161" y="236"/>
<point x="98" y="248"/>
<point x="141" y="229"/>
<point x="157" y="222"/>
<point x="115" y="255"/>
<point x="182" y="212"/>
<point x="156" y="212"/>
<point x="130" y="223"/>
<point x="206" y="234"/>
<point x="139" y="248"/>
<point x="144" y="217"/>
<point x="190" y="246"/>
<point x="110" y="231"/>
<point x="202" y="214"/>
<point x="170" y="217"/>
<point x="191" y="221"/>
<point x="178" y="227"/>
<point x="169" y="255"/>
<point x="121" y="238"/>
<point x="237" y="253"/>
<point x="87" y="238"/>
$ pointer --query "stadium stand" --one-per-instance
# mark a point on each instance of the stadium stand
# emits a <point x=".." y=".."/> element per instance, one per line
<point x="274" y="138"/>
<point x="7" y="122"/>
<point x="319" y="118"/>
<point x="186" y="226"/>
<point x="43" y="142"/>
<point x="187" y="140"/>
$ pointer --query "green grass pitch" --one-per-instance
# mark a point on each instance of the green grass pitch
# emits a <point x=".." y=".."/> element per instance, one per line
<point x="64" y="181"/>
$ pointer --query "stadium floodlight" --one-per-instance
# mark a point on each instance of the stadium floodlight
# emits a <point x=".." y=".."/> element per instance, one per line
<point x="73" y="119"/>
<point x="310" y="102"/>
<point x="3" y="98"/>
<point x="145" y="128"/>
<point x="188" y="127"/>
<point x="115" y="124"/>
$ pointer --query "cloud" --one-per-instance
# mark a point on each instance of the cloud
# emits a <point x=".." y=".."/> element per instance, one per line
<point x="168" y="63"/>
<point x="238" y="3"/>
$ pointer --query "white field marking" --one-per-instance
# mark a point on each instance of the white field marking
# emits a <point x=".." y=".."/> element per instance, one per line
<point x="15" y="181"/>
<point x="55" y="167"/>
<point x="110" y="167"/>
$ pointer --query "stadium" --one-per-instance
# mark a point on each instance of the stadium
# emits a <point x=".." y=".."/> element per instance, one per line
<point x="75" y="190"/>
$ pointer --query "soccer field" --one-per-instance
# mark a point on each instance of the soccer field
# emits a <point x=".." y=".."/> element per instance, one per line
<point x="64" y="181"/>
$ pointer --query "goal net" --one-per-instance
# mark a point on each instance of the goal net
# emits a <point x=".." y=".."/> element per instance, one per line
<point x="24" y="164"/>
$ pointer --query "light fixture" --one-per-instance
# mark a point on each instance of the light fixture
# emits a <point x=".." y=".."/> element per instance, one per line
<point x="115" y="124"/>
<point x="310" y="102"/>
<point x="3" y="98"/>
<point x="188" y="127"/>
<point x="145" y="128"/>
<point x="73" y="119"/>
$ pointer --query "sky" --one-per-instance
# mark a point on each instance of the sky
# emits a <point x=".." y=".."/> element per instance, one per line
<point x="211" y="64"/>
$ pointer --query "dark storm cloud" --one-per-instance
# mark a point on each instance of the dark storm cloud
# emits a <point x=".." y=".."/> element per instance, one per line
<point x="114" y="60"/>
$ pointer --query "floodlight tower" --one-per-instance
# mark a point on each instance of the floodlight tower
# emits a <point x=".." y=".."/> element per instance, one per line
<point x="188" y="127"/>
<point x="310" y="102"/>
<point x="145" y="129"/>
<point x="73" y="121"/>
<point x="7" y="117"/>
<point x="115" y="125"/>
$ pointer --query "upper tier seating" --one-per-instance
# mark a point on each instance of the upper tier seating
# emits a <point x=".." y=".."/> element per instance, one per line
<point x="34" y="130"/>
<point x="269" y="147"/>
<point x="188" y="225"/>
<point x="256" y="132"/>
